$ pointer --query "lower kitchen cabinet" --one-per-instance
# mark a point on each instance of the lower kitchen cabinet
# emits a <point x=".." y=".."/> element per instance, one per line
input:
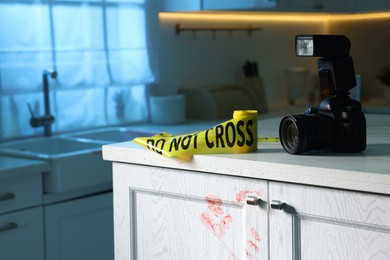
<point x="80" y="229"/>
<point x="321" y="223"/>
<point x="21" y="235"/>
<point x="165" y="213"/>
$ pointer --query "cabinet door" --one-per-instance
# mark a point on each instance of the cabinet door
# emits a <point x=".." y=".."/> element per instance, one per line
<point x="237" y="4"/>
<point x="80" y="229"/>
<point x="372" y="5"/>
<point x="319" y="6"/>
<point x="162" y="213"/>
<point x="21" y="235"/>
<point x="319" y="223"/>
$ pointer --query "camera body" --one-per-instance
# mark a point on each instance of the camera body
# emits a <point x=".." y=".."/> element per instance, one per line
<point x="338" y="123"/>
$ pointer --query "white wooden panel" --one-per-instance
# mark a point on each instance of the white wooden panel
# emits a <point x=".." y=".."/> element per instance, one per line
<point x="319" y="223"/>
<point x="171" y="214"/>
<point x="330" y="239"/>
<point x="23" y="239"/>
<point x="80" y="229"/>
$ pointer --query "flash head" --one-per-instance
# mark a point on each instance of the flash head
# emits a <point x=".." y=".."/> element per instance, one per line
<point x="327" y="46"/>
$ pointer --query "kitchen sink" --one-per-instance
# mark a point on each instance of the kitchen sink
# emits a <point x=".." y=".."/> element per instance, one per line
<point x="109" y="135"/>
<point x="54" y="147"/>
<point x="74" y="163"/>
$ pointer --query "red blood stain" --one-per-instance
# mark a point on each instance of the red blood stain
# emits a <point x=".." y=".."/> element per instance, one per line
<point x="214" y="205"/>
<point x="226" y="220"/>
<point x="231" y="253"/>
<point x="252" y="245"/>
<point x="218" y="229"/>
<point x="248" y="255"/>
<point x="241" y="195"/>
<point x="255" y="234"/>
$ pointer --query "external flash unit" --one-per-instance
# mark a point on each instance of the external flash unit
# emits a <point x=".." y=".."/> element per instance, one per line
<point x="338" y="123"/>
<point x="326" y="46"/>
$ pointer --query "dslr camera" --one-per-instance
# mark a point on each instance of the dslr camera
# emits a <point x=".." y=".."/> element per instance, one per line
<point x="338" y="123"/>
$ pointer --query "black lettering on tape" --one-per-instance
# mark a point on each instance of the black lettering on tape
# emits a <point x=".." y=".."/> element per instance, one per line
<point x="175" y="143"/>
<point x="195" y="141"/>
<point x="150" y="144"/>
<point x="240" y="133"/>
<point x="208" y="143"/>
<point x="219" y="136"/>
<point x="187" y="145"/>
<point x="249" y="125"/>
<point x="160" y="149"/>
<point x="230" y="141"/>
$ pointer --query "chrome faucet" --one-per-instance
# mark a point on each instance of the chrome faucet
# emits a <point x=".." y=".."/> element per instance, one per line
<point x="47" y="119"/>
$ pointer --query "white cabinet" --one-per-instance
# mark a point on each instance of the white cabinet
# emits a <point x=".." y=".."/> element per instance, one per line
<point x="21" y="234"/>
<point x="162" y="213"/>
<point x="21" y="217"/>
<point x="321" y="223"/>
<point x="80" y="229"/>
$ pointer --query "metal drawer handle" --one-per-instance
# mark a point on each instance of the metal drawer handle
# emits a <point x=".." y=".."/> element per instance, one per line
<point x="252" y="200"/>
<point x="10" y="226"/>
<point x="277" y="204"/>
<point x="7" y="196"/>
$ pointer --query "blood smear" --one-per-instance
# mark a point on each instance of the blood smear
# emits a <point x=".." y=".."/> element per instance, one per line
<point x="255" y="234"/>
<point x="218" y="229"/>
<point x="241" y="196"/>
<point x="214" y="205"/>
<point x="252" y="245"/>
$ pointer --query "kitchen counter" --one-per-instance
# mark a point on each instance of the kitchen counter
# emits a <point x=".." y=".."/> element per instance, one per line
<point x="368" y="171"/>
<point x="14" y="167"/>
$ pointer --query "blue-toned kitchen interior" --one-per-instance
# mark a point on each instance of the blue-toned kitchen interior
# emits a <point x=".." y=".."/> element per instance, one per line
<point x="76" y="75"/>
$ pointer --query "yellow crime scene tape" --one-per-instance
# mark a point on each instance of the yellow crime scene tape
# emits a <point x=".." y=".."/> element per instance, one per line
<point x="268" y="139"/>
<point x="238" y="135"/>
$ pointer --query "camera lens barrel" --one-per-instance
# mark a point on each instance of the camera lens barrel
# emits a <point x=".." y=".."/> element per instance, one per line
<point x="302" y="133"/>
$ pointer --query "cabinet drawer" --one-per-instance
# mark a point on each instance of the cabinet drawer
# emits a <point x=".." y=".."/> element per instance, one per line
<point x="21" y="192"/>
<point x="21" y="235"/>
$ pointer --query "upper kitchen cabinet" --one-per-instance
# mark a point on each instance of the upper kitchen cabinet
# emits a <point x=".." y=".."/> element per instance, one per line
<point x="182" y="5"/>
<point x="316" y="6"/>
<point x="372" y="5"/>
<point x="239" y="4"/>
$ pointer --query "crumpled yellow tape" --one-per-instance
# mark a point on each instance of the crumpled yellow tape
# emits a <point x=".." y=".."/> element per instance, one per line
<point x="238" y="135"/>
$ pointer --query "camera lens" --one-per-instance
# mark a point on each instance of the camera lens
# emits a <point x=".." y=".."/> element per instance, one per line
<point x="290" y="134"/>
<point x="302" y="133"/>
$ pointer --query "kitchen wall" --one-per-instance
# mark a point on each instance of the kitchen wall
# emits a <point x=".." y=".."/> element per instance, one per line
<point x="370" y="38"/>
<point x="207" y="59"/>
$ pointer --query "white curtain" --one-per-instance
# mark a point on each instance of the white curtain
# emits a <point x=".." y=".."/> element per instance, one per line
<point x="98" y="48"/>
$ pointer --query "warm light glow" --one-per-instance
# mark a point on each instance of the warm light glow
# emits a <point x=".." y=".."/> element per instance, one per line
<point x="266" y="16"/>
<point x="206" y="16"/>
<point x="361" y="16"/>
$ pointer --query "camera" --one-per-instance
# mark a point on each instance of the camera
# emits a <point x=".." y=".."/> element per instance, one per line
<point x="338" y="123"/>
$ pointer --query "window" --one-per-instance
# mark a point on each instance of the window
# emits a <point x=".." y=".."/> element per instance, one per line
<point x="98" y="48"/>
